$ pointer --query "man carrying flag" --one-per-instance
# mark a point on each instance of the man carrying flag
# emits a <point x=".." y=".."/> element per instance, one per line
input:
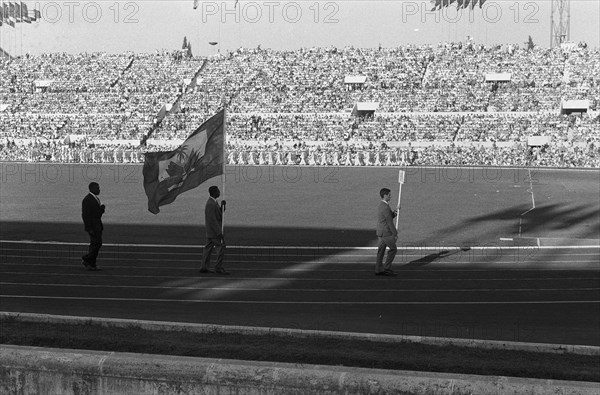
<point x="213" y="220"/>
<point x="199" y="158"/>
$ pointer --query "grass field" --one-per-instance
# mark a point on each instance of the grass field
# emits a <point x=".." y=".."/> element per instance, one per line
<point x="317" y="206"/>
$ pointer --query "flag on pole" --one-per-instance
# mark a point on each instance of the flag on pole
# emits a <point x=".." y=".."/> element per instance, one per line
<point x="18" y="12"/>
<point x="199" y="158"/>
<point x="25" y="13"/>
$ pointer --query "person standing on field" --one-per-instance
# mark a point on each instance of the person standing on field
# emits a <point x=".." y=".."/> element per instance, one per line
<point x="213" y="215"/>
<point x="387" y="234"/>
<point x="91" y="212"/>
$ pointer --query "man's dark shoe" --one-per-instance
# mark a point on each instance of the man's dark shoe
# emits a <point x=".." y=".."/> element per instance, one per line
<point x="87" y="265"/>
<point x="94" y="269"/>
<point x="390" y="273"/>
<point x="206" y="271"/>
<point x="222" y="271"/>
<point x="380" y="273"/>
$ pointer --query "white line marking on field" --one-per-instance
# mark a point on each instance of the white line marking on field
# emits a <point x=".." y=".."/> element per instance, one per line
<point x="281" y="262"/>
<point x="263" y="279"/>
<point x="301" y="289"/>
<point x="532" y="203"/>
<point x="416" y="248"/>
<point x="108" y="255"/>
<point x="242" y="253"/>
<point x="301" y="302"/>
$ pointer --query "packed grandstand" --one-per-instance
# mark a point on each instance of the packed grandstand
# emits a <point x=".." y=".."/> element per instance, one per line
<point x="448" y="104"/>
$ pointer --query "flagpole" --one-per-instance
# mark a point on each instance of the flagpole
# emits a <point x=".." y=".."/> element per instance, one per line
<point x="224" y="161"/>
<point x="398" y="207"/>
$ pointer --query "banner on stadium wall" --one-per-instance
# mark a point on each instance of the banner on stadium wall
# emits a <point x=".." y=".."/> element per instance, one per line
<point x="355" y="79"/>
<point x="538" y="141"/>
<point x="569" y="106"/>
<point x="498" y="77"/>
<point x="164" y="143"/>
<point x="364" y="108"/>
<point x="354" y="82"/>
<point x="42" y="85"/>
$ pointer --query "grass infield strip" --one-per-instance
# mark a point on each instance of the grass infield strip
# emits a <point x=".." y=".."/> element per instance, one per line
<point x="306" y="350"/>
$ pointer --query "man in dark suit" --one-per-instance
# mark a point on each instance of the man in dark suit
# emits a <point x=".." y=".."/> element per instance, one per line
<point x="91" y="212"/>
<point x="213" y="215"/>
<point x="387" y="233"/>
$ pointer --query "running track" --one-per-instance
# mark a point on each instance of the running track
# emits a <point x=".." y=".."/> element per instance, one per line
<point x="526" y="294"/>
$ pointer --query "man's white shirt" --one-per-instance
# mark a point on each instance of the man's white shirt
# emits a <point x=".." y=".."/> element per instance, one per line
<point x="97" y="198"/>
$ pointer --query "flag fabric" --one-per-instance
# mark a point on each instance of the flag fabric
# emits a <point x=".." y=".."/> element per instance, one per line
<point x="199" y="158"/>
<point x="25" y="13"/>
<point x="17" y="12"/>
<point x="11" y="10"/>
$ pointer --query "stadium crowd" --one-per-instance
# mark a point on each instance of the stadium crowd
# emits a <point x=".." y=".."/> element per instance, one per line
<point x="98" y="107"/>
<point x="324" y="154"/>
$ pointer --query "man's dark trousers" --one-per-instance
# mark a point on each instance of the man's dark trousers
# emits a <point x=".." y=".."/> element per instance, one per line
<point x="95" y="244"/>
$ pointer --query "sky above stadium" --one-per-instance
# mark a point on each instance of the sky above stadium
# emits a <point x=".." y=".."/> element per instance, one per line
<point x="146" y="26"/>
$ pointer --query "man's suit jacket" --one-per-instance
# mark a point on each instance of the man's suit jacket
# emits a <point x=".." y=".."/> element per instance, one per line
<point x="91" y="212"/>
<point x="213" y="219"/>
<point x="385" y="221"/>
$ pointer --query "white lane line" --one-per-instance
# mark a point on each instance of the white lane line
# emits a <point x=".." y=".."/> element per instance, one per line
<point x="301" y="302"/>
<point x="4" y="251"/>
<point x="263" y="279"/>
<point x="281" y="262"/>
<point x="301" y="289"/>
<point x="413" y="248"/>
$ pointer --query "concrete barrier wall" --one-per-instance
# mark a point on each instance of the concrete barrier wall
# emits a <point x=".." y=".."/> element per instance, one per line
<point x="32" y="370"/>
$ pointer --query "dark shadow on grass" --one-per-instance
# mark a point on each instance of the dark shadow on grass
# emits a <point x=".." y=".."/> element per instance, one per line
<point x="554" y="220"/>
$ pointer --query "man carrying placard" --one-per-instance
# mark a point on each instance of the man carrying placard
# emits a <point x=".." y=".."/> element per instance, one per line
<point x="386" y="231"/>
